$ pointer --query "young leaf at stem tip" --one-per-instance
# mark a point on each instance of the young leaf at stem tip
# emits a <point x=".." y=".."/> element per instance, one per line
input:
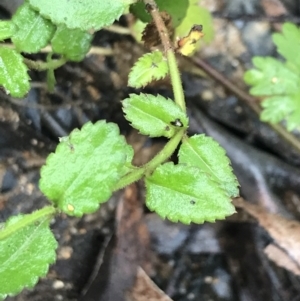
<point x="82" y="172"/>
<point x="185" y="194"/>
<point x="155" y="116"/>
<point x="151" y="66"/>
<point x="206" y="154"/>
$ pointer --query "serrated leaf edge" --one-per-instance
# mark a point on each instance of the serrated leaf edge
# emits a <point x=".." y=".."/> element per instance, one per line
<point x="136" y="66"/>
<point x="218" y="217"/>
<point x="45" y="267"/>
<point x="228" y="162"/>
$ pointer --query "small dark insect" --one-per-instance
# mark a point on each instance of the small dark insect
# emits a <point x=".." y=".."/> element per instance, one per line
<point x="167" y="128"/>
<point x="150" y="7"/>
<point x="71" y="146"/>
<point x="177" y="122"/>
<point x="67" y="141"/>
<point x="192" y="202"/>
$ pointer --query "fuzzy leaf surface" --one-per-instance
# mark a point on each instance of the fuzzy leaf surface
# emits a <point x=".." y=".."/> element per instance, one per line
<point x="271" y="77"/>
<point x="196" y="15"/>
<point x="151" y="66"/>
<point x="13" y="72"/>
<point x="206" y="154"/>
<point x="288" y="44"/>
<point x="25" y="254"/>
<point x="185" y="194"/>
<point x="155" y="116"/>
<point x="82" y="172"/>
<point x="27" y="38"/>
<point x="72" y="43"/>
<point x="86" y="15"/>
<point x="176" y="9"/>
<point x="7" y="29"/>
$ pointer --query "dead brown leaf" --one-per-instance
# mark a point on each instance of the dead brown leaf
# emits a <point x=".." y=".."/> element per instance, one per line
<point x="125" y="253"/>
<point x="281" y="259"/>
<point x="146" y="290"/>
<point x="150" y="35"/>
<point x="286" y="233"/>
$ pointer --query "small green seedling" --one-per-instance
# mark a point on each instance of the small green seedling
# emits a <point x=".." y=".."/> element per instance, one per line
<point x="277" y="81"/>
<point x="93" y="162"/>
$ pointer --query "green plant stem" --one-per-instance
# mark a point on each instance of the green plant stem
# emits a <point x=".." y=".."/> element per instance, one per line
<point x="176" y="80"/>
<point x="161" y="157"/>
<point x="179" y="99"/>
<point x="169" y="52"/>
<point x="41" y="66"/>
<point x="29" y="219"/>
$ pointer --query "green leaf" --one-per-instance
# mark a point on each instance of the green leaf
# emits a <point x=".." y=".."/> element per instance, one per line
<point x="278" y="80"/>
<point x="176" y="9"/>
<point x="82" y="172"/>
<point x="186" y="194"/>
<point x="288" y="44"/>
<point x="7" y="29"/>
<point x="155" y="116"/>
<point x="151" y="66"/>
<point x="272" y="77"/>
<point x="196" y="15"/>
<point x="206" y="154"/>
<point x="72" y="43"/>
<point x="25" y="254"/>
<point x="278" y="108"/>
<point x="86" y="15"/>
<point x="137" y="29"/>
<point x="33" y="31"/>
<point x="13" y="73"/>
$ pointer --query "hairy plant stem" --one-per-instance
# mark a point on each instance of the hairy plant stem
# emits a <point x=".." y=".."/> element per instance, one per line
<point x="169" y="52"/>
<point x="172" y="144"/>
<point x="45" y="213"/>
<point x="41" y="66"/>
<point x="149" y="167"/>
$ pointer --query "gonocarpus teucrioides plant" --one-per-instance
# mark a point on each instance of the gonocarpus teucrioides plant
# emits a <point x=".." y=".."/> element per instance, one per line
<point x="93" y="162"/>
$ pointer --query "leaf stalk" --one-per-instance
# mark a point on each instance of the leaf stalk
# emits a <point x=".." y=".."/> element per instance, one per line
<point x="149" y="167"/>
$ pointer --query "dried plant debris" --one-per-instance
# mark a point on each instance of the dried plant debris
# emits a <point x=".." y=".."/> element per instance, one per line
<point x="124" y="253"/>
<point x="150" y="35"/>
<point x="285" y="251"/>
<point x="146" y="290"/>
<point x="279" y="256"/>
